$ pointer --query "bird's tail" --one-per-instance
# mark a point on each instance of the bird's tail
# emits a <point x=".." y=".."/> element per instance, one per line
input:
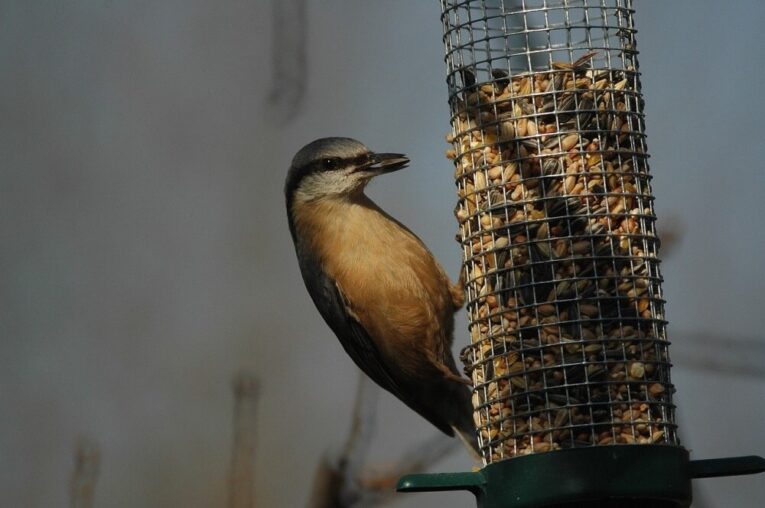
<point x="463" y="425"/>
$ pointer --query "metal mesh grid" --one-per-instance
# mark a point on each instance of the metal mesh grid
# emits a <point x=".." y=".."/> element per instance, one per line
<point x="556" y="223"/>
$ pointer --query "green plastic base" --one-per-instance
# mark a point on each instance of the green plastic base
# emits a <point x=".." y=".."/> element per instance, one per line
<point x="645" y="476"/>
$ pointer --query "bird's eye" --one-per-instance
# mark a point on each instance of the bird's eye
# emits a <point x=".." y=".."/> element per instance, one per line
<point x="331" y="163"/>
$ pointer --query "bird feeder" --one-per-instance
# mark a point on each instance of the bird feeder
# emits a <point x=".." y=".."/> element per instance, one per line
<point x="573" y="399"/>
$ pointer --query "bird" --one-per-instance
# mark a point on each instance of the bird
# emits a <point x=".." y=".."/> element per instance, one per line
<point x="375" y="283"/>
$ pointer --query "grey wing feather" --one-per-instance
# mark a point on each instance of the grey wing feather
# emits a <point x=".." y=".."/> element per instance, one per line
<point x="353" y="337"/>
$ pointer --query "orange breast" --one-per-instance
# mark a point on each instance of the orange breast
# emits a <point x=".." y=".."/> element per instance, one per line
<point x="392" y="282"/>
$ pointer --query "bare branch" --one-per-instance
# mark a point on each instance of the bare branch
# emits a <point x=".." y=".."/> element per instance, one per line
<point x="335" y="482"/>
<point x="360" y="435"/>
<point x="347" y="483"/>
<point x="327" y="484"/>
<point x="379" y="485"/>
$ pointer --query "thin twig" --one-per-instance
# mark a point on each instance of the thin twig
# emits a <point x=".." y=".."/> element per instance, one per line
<point x="242" y="476"/>
<point x="288" y="59"/>
<point x="87" y="459"/>
<point x="739" y="356"/>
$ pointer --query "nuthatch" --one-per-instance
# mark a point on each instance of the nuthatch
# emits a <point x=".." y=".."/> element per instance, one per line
<point x="375" y="283"/>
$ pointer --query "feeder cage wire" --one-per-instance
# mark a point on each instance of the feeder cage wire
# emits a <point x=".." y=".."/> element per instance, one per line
<point x="557" y="227"/>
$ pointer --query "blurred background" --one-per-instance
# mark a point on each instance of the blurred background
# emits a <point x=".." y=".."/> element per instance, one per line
<point x="146" y="258"/>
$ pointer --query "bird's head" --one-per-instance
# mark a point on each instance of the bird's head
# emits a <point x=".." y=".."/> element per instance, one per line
<point x="336" y="167"/>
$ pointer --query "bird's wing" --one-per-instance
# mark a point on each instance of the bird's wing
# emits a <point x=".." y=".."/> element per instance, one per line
<point x="332" y="305"/>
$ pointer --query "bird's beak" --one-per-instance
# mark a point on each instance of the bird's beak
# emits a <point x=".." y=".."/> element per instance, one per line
<point x="380" y="163"/>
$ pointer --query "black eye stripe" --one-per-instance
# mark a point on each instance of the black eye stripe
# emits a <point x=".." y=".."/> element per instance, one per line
<point x="361" y="159"/>
<point x="313" y="166"/>
<point x="332" y="163"/>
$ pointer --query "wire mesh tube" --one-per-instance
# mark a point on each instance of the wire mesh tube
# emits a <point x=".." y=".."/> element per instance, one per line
<point x="568" y="345"/>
